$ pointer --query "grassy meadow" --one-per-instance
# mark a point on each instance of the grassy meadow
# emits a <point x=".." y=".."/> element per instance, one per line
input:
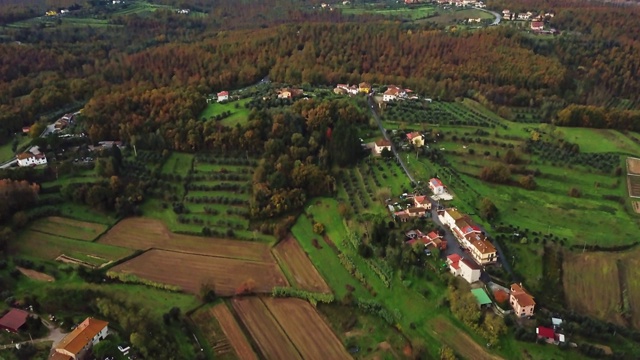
<point x="239" y="113"/>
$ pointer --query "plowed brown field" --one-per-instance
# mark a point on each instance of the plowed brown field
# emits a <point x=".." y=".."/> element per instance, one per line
<point x="233" y="332"/>
<point x="144" y="233"/>
<point x="309" y="333"/>
<point x="303" y="273"/>
<point x="190" y="271"/>
<point x="271" y="339"/>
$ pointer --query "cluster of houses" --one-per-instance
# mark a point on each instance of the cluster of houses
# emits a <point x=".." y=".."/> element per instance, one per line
<point x="469" y="235"/>
<point x="344" y="89"/>
<point x="537" y="20"/>
<point x="462" y="3"/>
<point x="395" y="92"/>
<point x="74" y="346"/>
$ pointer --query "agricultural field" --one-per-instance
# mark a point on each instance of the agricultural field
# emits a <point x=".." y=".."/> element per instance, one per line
<point x="313" y="338"/>
<point x="190" y="271"/>
<point x="396" y="11"/>
<point x="300" y="270"/>
<point x="230" y="113"/>
<point x="460" y="342"/>
<point x="145" y="233"/>
<point x="288" y="329"/>
<point x="633" y="177"/>
<point x="206" y="194"/>
<point x="264" y="329"/>
<point x="224" y="335"/>
<point x="359" y="185"/>
<point x="604" y="285"/>
<point x="51" y="247"/>
<point x="455" y="16"/>
<point x="479" y="141"/>
<point x="73" y="229"/>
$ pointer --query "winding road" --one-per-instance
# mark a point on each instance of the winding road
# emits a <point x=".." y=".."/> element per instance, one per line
<point x="497" y="19"/>
<point x="453" y="246"/>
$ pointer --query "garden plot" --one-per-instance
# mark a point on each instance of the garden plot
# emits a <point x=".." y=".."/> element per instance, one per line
<point x="70" y="228"/>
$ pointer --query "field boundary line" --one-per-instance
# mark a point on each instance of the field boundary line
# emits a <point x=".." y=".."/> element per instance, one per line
<point x="211" y="256"/>
<point x="280" y="325"/>
<point x="245" y="330"/>
<point x="58" y="235"/>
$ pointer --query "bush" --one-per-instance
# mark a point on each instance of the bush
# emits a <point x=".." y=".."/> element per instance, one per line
<point x="311" y="297"/>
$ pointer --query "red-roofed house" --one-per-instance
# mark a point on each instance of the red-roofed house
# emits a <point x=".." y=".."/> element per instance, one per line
<point x="223" y="96"/>
<point x="393" y="93"/>
<point x="422" y="202"/>
<point x="453" y="261"/>
<point x="436" y="186"/>
<point x="546" y="333"/>
<point x="416" y="138"/>
<point x="14" y="320"/>
<point x="29" y="159"/>
<point x="521" y="302"/>
<point x="537" y="25"/>
<point x="382" y="144"/>
<point x="26" y="129"/>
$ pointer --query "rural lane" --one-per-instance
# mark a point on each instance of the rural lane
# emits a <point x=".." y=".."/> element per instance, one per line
<point x="453" y="246"/>
<point x="497" y="19"/>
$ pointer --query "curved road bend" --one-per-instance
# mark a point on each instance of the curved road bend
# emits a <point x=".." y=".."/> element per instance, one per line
<point x="497" y="19"/>
<point x="453" y="246"/>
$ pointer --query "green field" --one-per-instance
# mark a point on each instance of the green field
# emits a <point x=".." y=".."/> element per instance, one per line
<point x="7" y="154"/>
<point x="239" y="113"/>
<point x="448" y="17"/>
<point x="403" y="12"/>
<point x="49" y="247"/>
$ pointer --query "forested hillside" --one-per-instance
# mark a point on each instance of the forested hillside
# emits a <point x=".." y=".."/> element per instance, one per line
<point x="594" y="62"/>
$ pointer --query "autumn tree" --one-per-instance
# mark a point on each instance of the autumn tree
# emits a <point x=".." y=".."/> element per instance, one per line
<point x="488" y="209"/>
<point x="497" y="173"/>
<point x="16" y="196"/>
<point x="528" y="182"/>
<point x="510" y="157"/>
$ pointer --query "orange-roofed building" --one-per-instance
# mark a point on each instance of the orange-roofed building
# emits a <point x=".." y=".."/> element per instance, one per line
<point x="76" y="344"/>
<point x="521" y="302"/>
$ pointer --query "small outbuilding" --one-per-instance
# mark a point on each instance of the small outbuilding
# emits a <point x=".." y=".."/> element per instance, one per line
<point x="14" y="320"/>
<point x="481" y="297"/>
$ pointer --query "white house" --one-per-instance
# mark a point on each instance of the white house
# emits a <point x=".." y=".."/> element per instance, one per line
<point x="78" y="342"/>
<point x="382" y="144"/>
<point x="436" y="186"/>
<point x="223" y="96"/>
<point x="464" y="268"/>
<point x="29" y="159"/>
<point x="393" y="93"/>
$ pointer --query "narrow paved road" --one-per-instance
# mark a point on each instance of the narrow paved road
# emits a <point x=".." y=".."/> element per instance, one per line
<point x="497" y="19"/>
<point x="453" y="246"/>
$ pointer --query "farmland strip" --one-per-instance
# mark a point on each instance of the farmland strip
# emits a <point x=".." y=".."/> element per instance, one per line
<point x="313" y="338"/>
<point x="233" y="332"/>
<point x="273" y="342"/>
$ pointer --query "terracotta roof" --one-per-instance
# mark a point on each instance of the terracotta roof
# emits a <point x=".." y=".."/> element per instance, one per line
<point x="24" y="156"/>
<point x="454" y="257"/>
<point x="392" y="91"/>
<point x="14" y="319"/>
<point x="365" y="85"/>
<point x="481" y="243"/>
<point x="435" y="182"/>
<point x="383" y="142"/>
<point x="522" y="297"/>
<point x="421" y="199"/>
<point x="413" y="135"/>
<point x="416" y="210"/>
<point x="432" y="235"/>
<point x="223" y="93"/>
<point x="82" y="335"/>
